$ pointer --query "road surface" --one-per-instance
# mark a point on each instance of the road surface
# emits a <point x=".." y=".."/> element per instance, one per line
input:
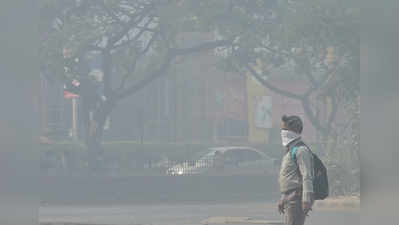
<point x="185" y="214"/>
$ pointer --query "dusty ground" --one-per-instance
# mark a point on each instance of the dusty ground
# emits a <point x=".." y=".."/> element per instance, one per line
<point x="188" y="214"/>
<point x="347" y="202"/>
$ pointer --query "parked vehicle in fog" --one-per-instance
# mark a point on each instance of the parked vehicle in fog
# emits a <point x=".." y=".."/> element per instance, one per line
<point x="227" y="160"/>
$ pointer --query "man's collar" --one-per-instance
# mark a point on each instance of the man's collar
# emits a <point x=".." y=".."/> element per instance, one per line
<point x="293" y="143"/>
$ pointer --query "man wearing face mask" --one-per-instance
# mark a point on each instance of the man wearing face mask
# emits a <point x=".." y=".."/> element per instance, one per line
<point x="296" y="173"/>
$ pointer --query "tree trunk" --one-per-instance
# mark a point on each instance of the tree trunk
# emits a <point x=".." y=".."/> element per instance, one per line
<point x="95" y="120"/>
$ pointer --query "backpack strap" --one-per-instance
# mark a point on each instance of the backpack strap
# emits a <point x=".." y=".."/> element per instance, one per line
<point x="295" y="149"/>
<point x="293" y="152"/>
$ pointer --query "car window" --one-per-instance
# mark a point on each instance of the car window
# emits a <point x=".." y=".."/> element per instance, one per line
<point x="208" y="156"/>
<point x="203" y="154"/>
<point x="249" y="155"/>
<point x="242" y="155"/>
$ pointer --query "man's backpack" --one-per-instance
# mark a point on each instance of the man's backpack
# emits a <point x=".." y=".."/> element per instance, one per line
<point x="320" y="179"/>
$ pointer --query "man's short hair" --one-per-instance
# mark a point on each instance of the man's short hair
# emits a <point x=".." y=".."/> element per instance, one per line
<point x="293" y="123"/>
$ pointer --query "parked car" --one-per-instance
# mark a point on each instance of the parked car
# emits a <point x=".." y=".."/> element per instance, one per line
<point x="227" y="160"/>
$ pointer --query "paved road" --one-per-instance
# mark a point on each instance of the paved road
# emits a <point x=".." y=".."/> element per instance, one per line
<point x="184" y="214"/>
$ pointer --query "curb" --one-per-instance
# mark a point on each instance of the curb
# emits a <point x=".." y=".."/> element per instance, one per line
<point x="239" y="220"/>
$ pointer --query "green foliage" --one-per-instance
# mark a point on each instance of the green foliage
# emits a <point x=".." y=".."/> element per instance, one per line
<point x="154" y="151"/>
<point x="285" y="32"/>
<point x="95" y="22"/>
<point x="131" y="156"/>
<point x="310" y="26"/>
<point x="121" y="149"/>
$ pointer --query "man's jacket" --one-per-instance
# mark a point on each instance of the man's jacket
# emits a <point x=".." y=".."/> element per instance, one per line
<point x="297" y="173"/>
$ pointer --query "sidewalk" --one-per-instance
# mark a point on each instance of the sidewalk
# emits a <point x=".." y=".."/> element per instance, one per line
<point x="337" y="203"/>
<point x="239" y="220"/>
<point x="244" y="213"/>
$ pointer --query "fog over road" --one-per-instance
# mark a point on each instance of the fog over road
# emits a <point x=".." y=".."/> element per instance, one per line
<point x="184" y="214"/>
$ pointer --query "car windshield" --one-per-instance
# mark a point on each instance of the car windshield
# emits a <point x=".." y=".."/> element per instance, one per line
<point x="207" y="155"/>
<point x="242" y="155"/>
<point x="200" y="154"/>
<point x="232" y="154"/>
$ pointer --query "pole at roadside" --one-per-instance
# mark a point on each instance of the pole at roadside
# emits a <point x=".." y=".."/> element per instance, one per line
<point x="74" y="119"/>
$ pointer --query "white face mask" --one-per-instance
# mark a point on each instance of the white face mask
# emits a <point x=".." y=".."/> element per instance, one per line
<point x="288" y="136"/>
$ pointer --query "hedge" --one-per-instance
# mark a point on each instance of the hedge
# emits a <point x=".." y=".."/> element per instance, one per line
<point x="130" y="155"/>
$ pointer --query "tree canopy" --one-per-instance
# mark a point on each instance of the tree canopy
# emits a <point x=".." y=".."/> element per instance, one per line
<point x="317" y="41"/>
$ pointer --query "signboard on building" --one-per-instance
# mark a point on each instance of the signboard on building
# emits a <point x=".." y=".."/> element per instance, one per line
<point x="259" y="111"/>
<point x="263" y="112"/>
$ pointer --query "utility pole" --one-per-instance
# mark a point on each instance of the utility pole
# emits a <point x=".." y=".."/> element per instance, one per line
<point x="74" y="119"/>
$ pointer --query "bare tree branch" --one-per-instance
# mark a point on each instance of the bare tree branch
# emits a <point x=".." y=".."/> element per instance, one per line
<point x="276" y="52"/>
<point x="124" y="32"/>
<point x="129" y="72"/>
<point x="309" y="113"/>
<point x="146" y="28"/>
<point x="171" y="54"/>
<point x="132" y="23"/>
<point x="149" y="44"/>
<point x="136" y="37"/>
<point x="320" y="84"/>
<point x="308" y="74"/>
<point x="334" y="108"/>
<point x="272" y="87"/>
<point x="132" y="68"/>
<point x="136" y="6"/>
<point x="163" y="35"/>
<point x="140" y="85"/>
<point x="311" y="79"/>
<point x="304" y="99"/>
<point x="204" y="46"/>
<point x="107" y="69"/>
<point x="111" y="13"/>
